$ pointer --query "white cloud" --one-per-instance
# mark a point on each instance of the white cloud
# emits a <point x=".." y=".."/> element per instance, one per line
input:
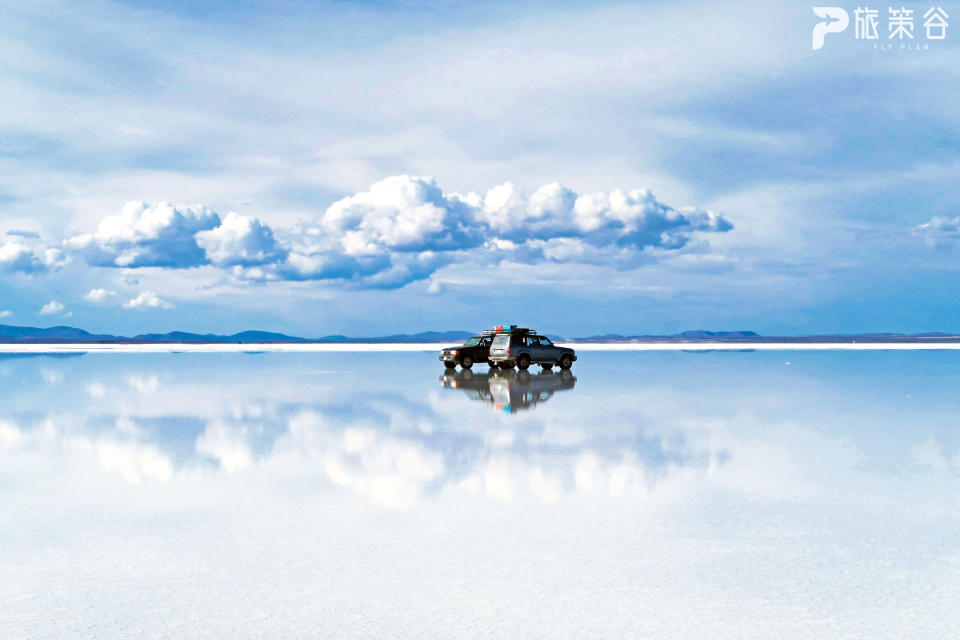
<point x="240" y="240"/>
<point x="19" y="258"/>
<point x="147" y="300"/>
<point x="939" y="230"/>
<point x="406" y="227"/>
<point x="51" y="307"/>
<point x="6" y="313"/>
<point x="403" y="229"/>
<point x="144" y="235"/>
<point x="99" y="295"/>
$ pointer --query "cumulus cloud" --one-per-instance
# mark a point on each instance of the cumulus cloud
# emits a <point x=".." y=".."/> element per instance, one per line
<point x="51" y="307"/>
<point x="403" y="229"/>
<point x="6" y="313"/>
<point x="939" y="230"/>
<point x="240" y="240"/>
<point x="147" y="300"/>
<point x="20" y="258"/>
<point x="177" y="236"/>
<point x="144" y="235"/>
<point x="99" y="295"/>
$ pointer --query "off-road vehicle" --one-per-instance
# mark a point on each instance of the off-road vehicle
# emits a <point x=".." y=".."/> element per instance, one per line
<point x="476" y="349"/>
<point x="513" y="346"/>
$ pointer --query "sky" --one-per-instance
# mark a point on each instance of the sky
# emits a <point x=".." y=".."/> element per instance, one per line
<point x="375" y="168"/>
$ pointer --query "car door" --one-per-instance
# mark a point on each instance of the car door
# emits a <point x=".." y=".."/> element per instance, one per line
<point x="548" y="352"/>
<point x="536" y="351"/>
<point x="483" y="349"/>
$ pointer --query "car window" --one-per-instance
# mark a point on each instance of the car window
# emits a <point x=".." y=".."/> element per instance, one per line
<point x="485" y="342"/>
<point x="472" y="342"/>
<point x="501" y="340"/>
<point x="545" y="341"/>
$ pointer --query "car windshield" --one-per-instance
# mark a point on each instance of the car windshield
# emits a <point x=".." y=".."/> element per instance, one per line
<point x="472" y="342"/>
<point x="502" y="340"/>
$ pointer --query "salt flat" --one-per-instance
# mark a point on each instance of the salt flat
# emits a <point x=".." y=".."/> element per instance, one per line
<point x="432" y="346"/>
<point x="667" y="494"/>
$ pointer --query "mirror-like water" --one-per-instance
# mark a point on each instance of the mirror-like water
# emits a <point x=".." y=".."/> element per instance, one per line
<point x="375" y="494"/>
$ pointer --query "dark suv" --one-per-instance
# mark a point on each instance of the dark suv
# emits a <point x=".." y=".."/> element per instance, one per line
<point x="523" y="347"/>
<point x="476" y="349"/>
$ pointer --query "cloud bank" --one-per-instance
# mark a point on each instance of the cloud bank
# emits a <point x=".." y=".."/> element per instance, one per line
<point x="403" y="229"/>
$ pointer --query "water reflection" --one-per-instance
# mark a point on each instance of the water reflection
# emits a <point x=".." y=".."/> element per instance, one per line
<point x="378" y="432"/>
<point x="237" y="495"/>
<point x="506" y="390"/>
<point x="373" y="424"/>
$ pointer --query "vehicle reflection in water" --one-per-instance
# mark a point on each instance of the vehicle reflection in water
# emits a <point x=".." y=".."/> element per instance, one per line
<point x="509" y="391"/>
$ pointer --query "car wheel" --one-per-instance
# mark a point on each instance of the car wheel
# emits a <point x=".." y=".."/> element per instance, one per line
<point x="466" y="362"/>
<point x="523" y="362"/>
<point x="450" y="364"/>
<point x="566" y="361"/>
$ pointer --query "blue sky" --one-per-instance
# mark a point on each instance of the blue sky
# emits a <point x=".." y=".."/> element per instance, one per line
<point x="371" y="168"/>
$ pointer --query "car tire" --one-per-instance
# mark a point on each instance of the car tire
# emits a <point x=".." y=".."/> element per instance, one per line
<point x="566" y="361"/>
<point x="466" y="362"/>
<point x="450" y="364"/>
<point x="523" y="362"/>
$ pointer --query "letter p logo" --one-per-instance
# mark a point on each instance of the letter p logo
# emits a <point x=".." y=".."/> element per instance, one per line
<point x="835" y="21"/>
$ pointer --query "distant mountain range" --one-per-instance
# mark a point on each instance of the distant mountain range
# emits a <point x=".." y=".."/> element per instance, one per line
<point x="35" y="335"/>
<point x="13" y="334"/>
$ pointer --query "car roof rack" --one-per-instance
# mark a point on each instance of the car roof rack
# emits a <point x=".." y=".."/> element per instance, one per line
<point x="507" y="328"/>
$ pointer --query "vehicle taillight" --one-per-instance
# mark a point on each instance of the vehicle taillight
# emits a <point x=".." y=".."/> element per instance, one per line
<point x="508" y="350"/>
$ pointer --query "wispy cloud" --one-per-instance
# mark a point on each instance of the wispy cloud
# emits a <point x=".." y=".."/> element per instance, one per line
<point x="21" y="233"/>
<point x="939" y="230"/>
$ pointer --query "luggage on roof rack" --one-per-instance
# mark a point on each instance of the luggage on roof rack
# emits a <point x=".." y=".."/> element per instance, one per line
<point x="510" y="328"/>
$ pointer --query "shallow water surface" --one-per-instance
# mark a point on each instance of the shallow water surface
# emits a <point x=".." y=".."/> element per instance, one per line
<point x="672" y="494"/>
